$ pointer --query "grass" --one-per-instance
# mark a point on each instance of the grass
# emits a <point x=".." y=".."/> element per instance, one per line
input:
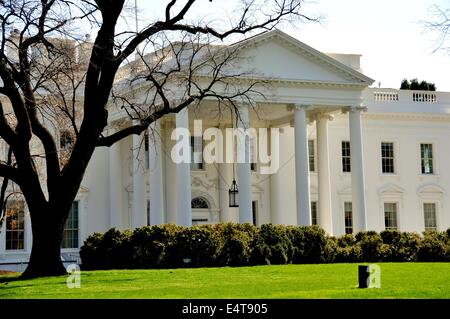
<point x="398" y="280"/>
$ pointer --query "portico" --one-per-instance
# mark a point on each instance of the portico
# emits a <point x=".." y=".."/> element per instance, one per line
<point x="306" y="93"/>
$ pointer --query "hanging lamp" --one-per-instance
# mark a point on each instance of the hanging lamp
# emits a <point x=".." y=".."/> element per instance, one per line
<point x="233" y="192"/>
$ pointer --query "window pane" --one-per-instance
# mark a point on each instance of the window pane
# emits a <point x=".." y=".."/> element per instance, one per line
<point x="390" y="216"/>
<point x="345" y="151"/>
<point x="311" y="152"/>
<point x="429" y="210"/>
<point x="348" y="217"/>
<point x="314" y="216"/>
<point x="70" y="233"/>
<point x="426" y="156"/>
<point x="15" y="225"/>
<point x="387" y="157"/>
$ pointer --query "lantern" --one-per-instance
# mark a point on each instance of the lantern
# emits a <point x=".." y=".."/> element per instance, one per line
<point x="233" y="194"/>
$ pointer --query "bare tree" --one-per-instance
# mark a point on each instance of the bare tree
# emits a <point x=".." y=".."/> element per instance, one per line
<point x="52" y="77"/>
<point x="439" y="23"/>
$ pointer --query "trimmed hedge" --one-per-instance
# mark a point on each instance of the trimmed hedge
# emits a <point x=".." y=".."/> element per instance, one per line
<point x="171" y="246"/>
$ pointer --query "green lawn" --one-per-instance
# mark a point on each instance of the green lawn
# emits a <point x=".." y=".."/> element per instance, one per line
<point x="398" y="280"/>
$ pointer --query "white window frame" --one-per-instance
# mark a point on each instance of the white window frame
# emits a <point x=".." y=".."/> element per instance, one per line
<point x="394" y="157"/>
<point x="397" y="214"/>
<point x="26" y="232"/>
<point x="342" y="157"/>
<point x="436" y="205"/>
<point x="353" y="217"/>
<point x="312" y="155"/>
<point x="435" y="159"/>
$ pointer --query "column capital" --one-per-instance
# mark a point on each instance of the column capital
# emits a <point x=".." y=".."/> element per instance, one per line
<point x="323" y="116"/>
<point x="298" y="106"/>
<point x="354" y="108"/>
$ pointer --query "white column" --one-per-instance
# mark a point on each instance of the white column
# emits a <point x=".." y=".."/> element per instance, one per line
<point x="139" y="212"/>
<point x="184" y="211"/>
<point x="302" y="166"/>
<point x="357" y="168"/>
<point x="243" y="168"/>
<point x="155" y="174"/>
<point x="115" y="187"/>
<point x="323" y="161"/>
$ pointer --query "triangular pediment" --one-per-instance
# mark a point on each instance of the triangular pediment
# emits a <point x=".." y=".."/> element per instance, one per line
<point x="276" y="55"/>
<point x="390" y="189"/>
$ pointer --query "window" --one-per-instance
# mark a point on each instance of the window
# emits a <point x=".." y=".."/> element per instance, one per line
<point x="426" y="158"/>
<point x="66" y="140"/>
<point x="345" y="151"/>
<point x="253" y="153"/>
<point x="147" y="148"/>
<point x="429" y="211"/>
<point x="255" y="212"/>
<point x="311" y="151"/>
<point x="390" y="216"/>
<point x="314" y="216"/>
<point x="348" y="217"/>
<point x="199" y="202"/>
<point x="387" y="157"/>
<point x="148" y="212"/>
<point x="70" y="233"/>
<point x="15" y="225"/>
<point x="196" y="152"/>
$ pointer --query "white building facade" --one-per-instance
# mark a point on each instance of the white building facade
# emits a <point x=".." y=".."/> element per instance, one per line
<point x="351" y="158"/>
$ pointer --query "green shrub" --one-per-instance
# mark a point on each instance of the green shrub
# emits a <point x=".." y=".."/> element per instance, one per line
<point x="370" y="243"/>
<point x="151" y="245"/>
<point x="309" y="244"/>
<point x="196" y="246"/>
<point x="236" y="248"/>
<point x="91" y="257"/>
<point x="229" y="244"/>
<point x="112" y="251"/>
<point x="398" y="246"/>
<point x="433" y="247"/>
<point x="272" y="246"/>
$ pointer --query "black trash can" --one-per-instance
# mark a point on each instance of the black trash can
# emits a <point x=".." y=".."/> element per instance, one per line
<point x="363" y="276"/>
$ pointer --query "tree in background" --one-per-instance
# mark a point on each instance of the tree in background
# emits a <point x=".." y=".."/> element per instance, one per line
<point x="414" y="84"/>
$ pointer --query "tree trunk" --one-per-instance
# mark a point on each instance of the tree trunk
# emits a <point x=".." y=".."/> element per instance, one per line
<point x="45" y="259"/>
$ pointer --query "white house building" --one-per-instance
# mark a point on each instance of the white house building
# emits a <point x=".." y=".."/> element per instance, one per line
<point x="351" y="158"/>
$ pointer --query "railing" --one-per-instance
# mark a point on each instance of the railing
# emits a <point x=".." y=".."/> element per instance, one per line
<point x="424" y="97"/>
<point x="404" y="95"/>
<point x="385" y="96"/>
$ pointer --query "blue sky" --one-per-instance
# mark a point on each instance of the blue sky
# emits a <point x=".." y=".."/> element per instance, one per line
<point x="387" y="33"/>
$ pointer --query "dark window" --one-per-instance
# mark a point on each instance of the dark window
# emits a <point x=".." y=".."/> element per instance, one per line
<point x="148" y="212"/>
<point x="348" y="217"/>
<point x="387" y="157"/>
<point x="255" y="212"/>
<point x="70" y="234"/>
<point x="196" y="152"/>
<point x="429" y="211"/>
<point x="311" y="153"/>
<point x="199" y="202"/>
<point x="66" y="140"/>
<point x="147" y="155"/>
<point x="426" y="158"/>
<point x="15" y="225"/>
<point x="345" y="151"/>
<point x="390" y="216"/>
<point x="314" y="217"/>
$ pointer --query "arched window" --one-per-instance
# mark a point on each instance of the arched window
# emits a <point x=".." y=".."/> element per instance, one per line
<point x="66" y="140"/>
<point x="199" y="202"/>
